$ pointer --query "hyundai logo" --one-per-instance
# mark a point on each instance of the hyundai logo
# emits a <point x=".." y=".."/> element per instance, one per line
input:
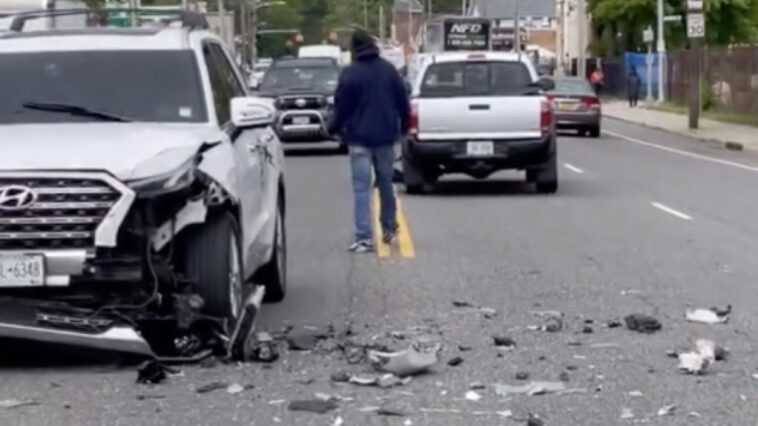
<point x="301" y="103"/>
<point x="16" y="197"/>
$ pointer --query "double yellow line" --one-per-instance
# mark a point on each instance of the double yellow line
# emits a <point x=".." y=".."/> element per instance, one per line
<point x="404" y="242"/>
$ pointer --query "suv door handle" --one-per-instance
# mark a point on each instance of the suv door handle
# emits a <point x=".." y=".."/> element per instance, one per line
<point x="479" y="107"/>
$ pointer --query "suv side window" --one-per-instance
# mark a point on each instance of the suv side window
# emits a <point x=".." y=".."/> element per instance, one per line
<point x="224" y="82"/>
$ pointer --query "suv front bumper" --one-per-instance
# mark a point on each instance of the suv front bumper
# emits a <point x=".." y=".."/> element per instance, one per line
<point x="289" y="129"/>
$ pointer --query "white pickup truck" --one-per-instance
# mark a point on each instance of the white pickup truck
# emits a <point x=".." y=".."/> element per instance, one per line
<point x="477" y="113"/>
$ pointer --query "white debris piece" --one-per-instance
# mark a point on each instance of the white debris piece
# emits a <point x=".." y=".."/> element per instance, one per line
<point x="235" y="388"/>
<point x="706" y="348"/>
<point x="693" y="362"/>
<point x="533" y="388"/>
<point x="418" y="358"/>
<point x="667" y="410"/>
<point x="338" y="421"/>
<point x="706" y="316"/>
<point x="635" y="393"/>
<point x="505" y="414"/>
<point x="626" y="413"/>
<point x="473" y="396"/>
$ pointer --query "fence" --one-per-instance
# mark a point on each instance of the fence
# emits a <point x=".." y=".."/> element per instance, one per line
<point x="730" y="79"/>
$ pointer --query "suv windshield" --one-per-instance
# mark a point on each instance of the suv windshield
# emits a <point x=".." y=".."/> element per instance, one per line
<point x="294" y="78"/>
<point x="153" y="86"/>
<point x="476" y="79"/>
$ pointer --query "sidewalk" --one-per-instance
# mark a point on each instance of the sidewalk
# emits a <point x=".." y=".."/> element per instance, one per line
<point x="731" y="136"/>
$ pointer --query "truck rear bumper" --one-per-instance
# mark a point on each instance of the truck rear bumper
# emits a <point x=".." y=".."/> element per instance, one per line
<point x="453" y="157"/>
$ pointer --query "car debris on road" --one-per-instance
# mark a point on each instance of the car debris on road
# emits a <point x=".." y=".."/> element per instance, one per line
<point x="642" y="323"/>
<point x="708" y="316"/>
<point x="418" y="358"/>
<point x="312" y="405"/>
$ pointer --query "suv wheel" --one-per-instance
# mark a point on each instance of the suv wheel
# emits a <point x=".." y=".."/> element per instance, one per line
<point x="273" y="275"/>
<point x="212" y="261"/>
<point x="416" y="182"/>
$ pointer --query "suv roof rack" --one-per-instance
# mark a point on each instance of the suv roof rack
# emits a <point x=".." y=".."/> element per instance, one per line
<point x="189" y="19"/>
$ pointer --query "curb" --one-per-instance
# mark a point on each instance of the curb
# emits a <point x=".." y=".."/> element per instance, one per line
<point x="726" y="144"/>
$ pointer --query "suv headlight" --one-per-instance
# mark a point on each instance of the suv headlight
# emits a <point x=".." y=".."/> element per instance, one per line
<point x="164" y="183"/>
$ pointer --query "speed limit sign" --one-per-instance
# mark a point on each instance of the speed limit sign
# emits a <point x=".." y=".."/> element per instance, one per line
<point x="695" y="25"/>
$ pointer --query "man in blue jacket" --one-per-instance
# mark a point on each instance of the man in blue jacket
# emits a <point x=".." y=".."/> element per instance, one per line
<point x="372" y="113"/>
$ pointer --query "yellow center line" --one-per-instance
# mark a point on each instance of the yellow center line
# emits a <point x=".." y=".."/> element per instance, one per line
<point x="404" y="240"/>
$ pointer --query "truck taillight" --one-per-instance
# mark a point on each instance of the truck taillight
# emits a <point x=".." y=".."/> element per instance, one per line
<point x="413" y="125"/>
<point x="546" y="116"/>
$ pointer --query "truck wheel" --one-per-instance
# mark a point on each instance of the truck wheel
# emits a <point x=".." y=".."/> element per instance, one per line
<point x="273" y="275"/>
<point x="212" y="261"/>
<point x="547" y="176"/>
<point x="416" y="181"/>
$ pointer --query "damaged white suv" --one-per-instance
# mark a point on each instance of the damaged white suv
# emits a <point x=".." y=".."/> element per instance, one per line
<point x="142" y="195"/>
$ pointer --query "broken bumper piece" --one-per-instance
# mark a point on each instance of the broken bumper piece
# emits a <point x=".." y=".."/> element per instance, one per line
<point x="117" y="338"/>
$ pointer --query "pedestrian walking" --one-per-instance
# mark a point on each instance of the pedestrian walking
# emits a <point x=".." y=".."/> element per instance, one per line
<point x="371" y="113"/>
<point x="597" y="79"/>
<point x="633" y="87"/>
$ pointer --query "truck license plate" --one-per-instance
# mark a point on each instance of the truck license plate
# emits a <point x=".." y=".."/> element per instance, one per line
<point x="301" y="120"/>
<point x="480" y="149"/>
<point x="22" y="270"/>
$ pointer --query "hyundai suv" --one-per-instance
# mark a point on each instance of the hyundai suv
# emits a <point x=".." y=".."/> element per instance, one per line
<point x="142" y="194"/>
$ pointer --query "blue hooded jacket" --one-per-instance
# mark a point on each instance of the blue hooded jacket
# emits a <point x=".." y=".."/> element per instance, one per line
<point x="371" y="106"/>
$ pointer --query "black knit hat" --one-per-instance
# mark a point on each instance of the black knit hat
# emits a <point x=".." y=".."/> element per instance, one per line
<point x="361" y="39"/>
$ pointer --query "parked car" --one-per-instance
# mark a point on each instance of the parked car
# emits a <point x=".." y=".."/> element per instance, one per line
<point x="478" y="113"/>
<point x="303" y="92"/>
<point x="145" y="184"/>
<point x="577" y="106"/>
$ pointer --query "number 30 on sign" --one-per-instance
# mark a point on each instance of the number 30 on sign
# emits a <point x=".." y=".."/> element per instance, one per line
<point x="695" y="25"/>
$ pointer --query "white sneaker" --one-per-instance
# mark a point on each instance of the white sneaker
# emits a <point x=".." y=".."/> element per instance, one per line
<point x="362" y="246"/>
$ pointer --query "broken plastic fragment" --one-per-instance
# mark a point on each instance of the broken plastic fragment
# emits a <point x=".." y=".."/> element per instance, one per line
<point x="384" y="381"/>
<point x="533" y="388"/>
<point x="626" y="413"/>
<point x="642" y="323"/>
<point x="706" y="316"/>
<point x="417" y="359"/>
<point x="667" y="410"/>
<point x="507" y="414"/>
<point x="473" y="396"/>
<point x="693" y="362"/>
<point x="635" y="393"/>
<point x="313" y="406"/>
<point x="15" y="403"/>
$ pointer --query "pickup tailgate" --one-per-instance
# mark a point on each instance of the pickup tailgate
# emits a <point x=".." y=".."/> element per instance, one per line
<point x="485" y="117"/>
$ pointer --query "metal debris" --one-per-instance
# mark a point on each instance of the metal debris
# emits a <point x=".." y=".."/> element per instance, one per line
<point x="642" y="323"/>
<point x="706" y="316"/>
<point x="418" y="358"/>
<point x="15" y="403"/>
<point x="312" y="406"/>
<point x="613" y="324"/>
<point x="210" y="387"/>
<point x="667" y="410"/>
<point x="265" y="348"/>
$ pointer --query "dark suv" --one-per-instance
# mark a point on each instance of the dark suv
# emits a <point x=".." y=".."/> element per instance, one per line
<point x="303" y="89"/>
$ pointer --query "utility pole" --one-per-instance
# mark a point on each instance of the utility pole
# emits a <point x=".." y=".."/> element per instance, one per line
<point x="244" y="30"/>
<point x="695" y="32"/>
<point x="365" y="15"/>
<point x="581" y="66"/>
<point x="254" y="34"/>
<point x="559" y="41"/>
<point x="647" y="36"/>
<point x="222" y="20"/>
<point x="517" y="28"/>
<point x="381" y="24"/>
<point x="661" y="51"/>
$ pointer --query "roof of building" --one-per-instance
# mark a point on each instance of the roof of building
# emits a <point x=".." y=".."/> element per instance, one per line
<point x="504" y="9"/>
<point x="405" y="5"/>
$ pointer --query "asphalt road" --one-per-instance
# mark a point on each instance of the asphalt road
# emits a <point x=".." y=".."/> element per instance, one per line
<point x="644" y="222"/>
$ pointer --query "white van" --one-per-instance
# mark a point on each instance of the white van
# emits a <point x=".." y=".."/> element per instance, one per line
<point x="321" y="51"/>
<point x="10" y="7"/>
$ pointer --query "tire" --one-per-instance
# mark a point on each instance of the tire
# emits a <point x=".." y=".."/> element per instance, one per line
<point x="546" y="177"/>
<point x="594" y="132"/>
<point x="212" y="253"/>
<point x="417" y="181"/>
<point x="273" y="275"/>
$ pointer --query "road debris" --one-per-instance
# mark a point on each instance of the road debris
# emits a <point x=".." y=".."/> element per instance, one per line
<point x="340" y="377"/>
<point x="383" y="381"/>
<point x="613" y="324"/>
<point x="504" y="341"/>
<point x="15" y="403"/>
<point x="693" y="363"/>
<point x="153" y="372"/>
<point x="552" y="321"/>
<point x="210" y="387"/>
<point x="694" y="414"/>
<point x="506" y="414"/>
<point x="265" y="348"/>
<point x="462" y="304"/>
<point x="635" y="393"/>
<point x="588" y="330"/>
<point x="706" y="316"/>
<point x="235" y="388"/>
<point x="338" y="421"/>
<point x="642" y="323"/>
<point x="312" y="406"/>
<point x="626" y="413"/>
<point x="522" y="375"/>
<point x="473" y="396"/>
<point x="418" y="358"/>
<point x="667" y="410"/>
<point x="456" y="361"/>
<point x="480" y="386"/>
<point x="531" y="389"/>
<point x="390" y="412"/>
<point x="149" y="397"/>
<point x="534" y="420"/>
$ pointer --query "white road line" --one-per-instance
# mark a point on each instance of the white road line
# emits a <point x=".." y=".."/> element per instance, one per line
<point x="573" y="168"/>
<point x="682" y="152"/>
<point x="670" y="211"/>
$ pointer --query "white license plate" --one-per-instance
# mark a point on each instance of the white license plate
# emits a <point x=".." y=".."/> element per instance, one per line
<point x="564" y="106"/>
<point x="26" y="270"/>
<point x="480" y="149"/>
<point x="301" y="120"/>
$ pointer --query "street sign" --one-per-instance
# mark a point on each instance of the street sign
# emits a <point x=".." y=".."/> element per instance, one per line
<point x="672" y="18"/>
<point x="648" y="35"/>
<point x="695" y="25"/>
<point x="695" y="5"/>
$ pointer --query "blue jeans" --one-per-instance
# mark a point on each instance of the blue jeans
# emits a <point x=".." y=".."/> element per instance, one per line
<point x="382" y="158"/>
